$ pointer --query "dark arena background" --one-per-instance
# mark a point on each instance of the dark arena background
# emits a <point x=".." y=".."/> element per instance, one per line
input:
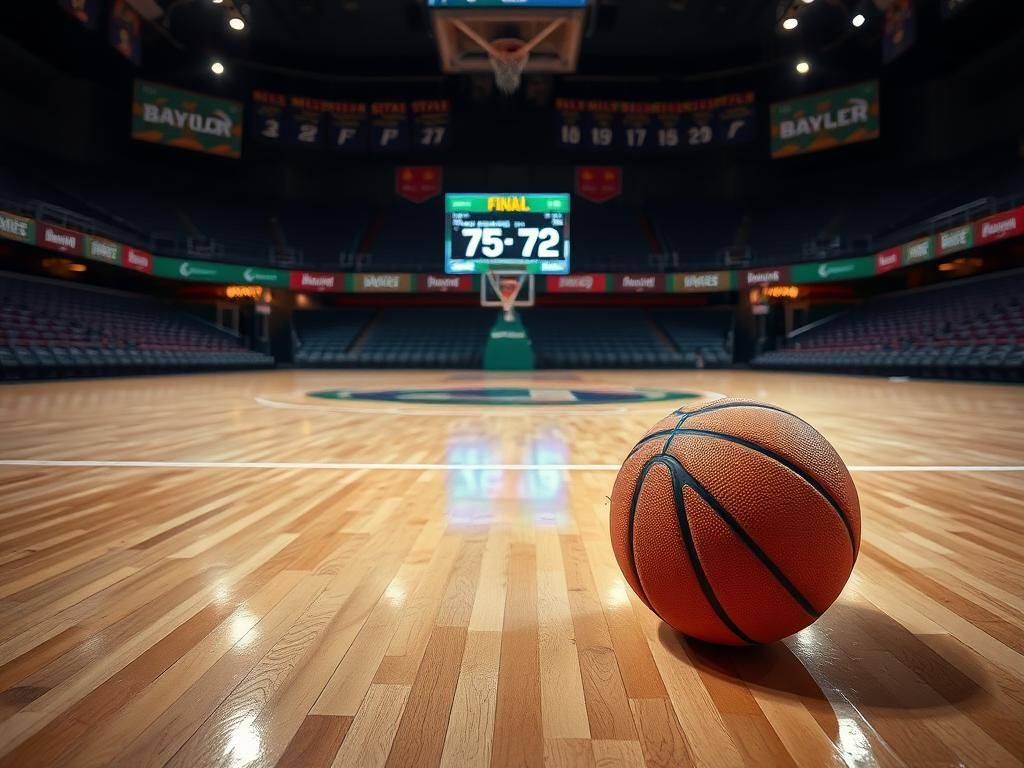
<point x="327" y="325"/>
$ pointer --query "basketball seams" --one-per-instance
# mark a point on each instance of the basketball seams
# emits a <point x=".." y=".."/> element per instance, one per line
<point x="673" y="466"/>
<point x="802" y="474"/>
<point x="630" y="519"/>
<point x="750" y="543"/>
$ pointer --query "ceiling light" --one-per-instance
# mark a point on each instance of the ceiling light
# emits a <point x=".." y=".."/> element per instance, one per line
<point x="803" y="67"/>
<point x="217" y="68"/>
<point x="790" y="23"/>
<point x="858" y="20"/>
<point x="217" y="2"/>
<point x="237" y="23"/>
<point x="808" y="2"/>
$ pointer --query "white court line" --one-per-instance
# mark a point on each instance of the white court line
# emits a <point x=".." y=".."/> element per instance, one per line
<point x="115" y="464"/>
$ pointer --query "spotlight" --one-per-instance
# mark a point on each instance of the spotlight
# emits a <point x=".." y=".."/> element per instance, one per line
<point x="808" y="2"/>
<point x="790" y="23"/>
<point x="217" y="68"/>
<point x="803" y="67"/>
<point x="858" y="20"/>
<point x="237" y="23"/>
<point x="217" y="2"/>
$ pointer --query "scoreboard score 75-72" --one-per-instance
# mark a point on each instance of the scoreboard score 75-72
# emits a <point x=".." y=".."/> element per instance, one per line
<point x="512" y="231"/>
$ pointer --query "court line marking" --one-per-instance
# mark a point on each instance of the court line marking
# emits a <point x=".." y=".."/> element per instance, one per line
<point x="342" y="465"/>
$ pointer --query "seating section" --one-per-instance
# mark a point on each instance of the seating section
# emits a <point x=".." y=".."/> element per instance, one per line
<point x="607" y="238"/>
<point x="323" y="338"/>
<point x="406" y="337"/>
<point x="576" y="337"/>
<point x="703" y="337"/>
<point x="969" y="329"/>
<point x="50" y="330"/>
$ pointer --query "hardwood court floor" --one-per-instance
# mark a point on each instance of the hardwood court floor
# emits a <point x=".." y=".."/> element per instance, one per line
<point x="265" y="587"/>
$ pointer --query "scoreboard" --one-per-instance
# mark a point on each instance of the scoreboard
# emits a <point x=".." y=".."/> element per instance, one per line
<point x="513" y="231"/>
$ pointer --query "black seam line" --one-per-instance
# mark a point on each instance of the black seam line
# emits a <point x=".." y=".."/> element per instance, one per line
<point x="675" y="429"/>
<point x="675" y="469"/>
<point x="791" y="467"/>
<point x="705" y="409"/>
<point x="629" y="532"/>
<point x="745" y="537"/>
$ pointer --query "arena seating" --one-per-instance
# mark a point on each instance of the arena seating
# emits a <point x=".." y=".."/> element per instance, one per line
<point x="52" y="330"/>
<point x="969" y="329"/>
<point x="394" y="338"/>
<point x="703" y="337"/>
<point x="571" y="337"/>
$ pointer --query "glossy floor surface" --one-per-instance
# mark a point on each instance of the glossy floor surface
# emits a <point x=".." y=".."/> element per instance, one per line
<point x="223" y="570"/>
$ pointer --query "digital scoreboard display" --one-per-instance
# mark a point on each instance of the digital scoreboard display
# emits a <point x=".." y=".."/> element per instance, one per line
<point x="504" y="230"/>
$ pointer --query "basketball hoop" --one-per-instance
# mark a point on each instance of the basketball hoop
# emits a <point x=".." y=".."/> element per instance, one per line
<point x="508" y="57"/>
<point x="507" y="286"/>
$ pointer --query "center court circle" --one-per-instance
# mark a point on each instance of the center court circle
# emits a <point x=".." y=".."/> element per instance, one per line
<point x="521" y="396"/>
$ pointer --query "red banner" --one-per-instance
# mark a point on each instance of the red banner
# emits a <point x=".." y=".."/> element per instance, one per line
<point x="598" y="183"/>
<point x="320" y="282"/>
<point x="444" y="283"/>
<point x="418" y="182"/>
<point x="60" y="239"/>
<point x="581" y="283"/>
<point x="886" y="260"/>
<point x="765" y="276"/>
<point x="140" y="261"/>
<point x="999" y="227"/>
<point x="640" y="283"/>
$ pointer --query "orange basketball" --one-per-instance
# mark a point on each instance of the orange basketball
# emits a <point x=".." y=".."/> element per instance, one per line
<point x="735" y="521"/>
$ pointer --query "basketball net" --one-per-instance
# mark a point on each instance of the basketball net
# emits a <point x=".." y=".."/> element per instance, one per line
<point x="509" y="55"/>
<point x="507" y="287"/>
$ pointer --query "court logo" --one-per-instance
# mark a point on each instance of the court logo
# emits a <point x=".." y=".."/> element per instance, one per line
<point x="523" y="396"/>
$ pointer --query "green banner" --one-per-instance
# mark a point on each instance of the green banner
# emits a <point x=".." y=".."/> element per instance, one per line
<point x="213" y="272"/>
<point x="98" y="249"/>
<point x="506" y="203"/>
<point x="918" y="251"/>
<point x="165" y="115"/>
<point x="957" y="239"/>
<point x="17" y="228"/>
<point x="842" y="269"/>
<point x="825" y="120"/>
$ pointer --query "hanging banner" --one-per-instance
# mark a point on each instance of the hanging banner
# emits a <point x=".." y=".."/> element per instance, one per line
<point x="900" y="29"/>
<point x="431" y="129"/>
<point x="578" y="283"/>
<point x="126" y="31"/>
<point x="598" y="183"/>
<point x="418" y="183"/>
<point x="825" y="120"/>
<point x="389" y="126"/>
<point x="86" y="11"/>
<point x="17" y="228"/>
<point x="187" y="120"/>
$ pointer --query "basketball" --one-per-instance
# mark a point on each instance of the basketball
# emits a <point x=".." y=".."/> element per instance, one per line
<point x="736" y="522"/>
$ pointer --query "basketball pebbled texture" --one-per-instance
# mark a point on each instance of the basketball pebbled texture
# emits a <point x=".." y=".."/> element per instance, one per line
<point x="735" y="521"/>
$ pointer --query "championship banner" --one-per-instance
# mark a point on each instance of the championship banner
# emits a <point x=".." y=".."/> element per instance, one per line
<point x="278" y="118"/>
<point x="187" y="120"/>
<point x="1000" y="226"/>
<point x="445" y="283"/>
<point x="578" y="283"/>
<point x="640" y="283"/>
<point x="391" y="283"/>
<point x="61" y="240"/>
<point x="431" y="128"/>
<point x="888" y="260"/>
<point x="86" y="11"/>
<point x="17" y="228"/>
<point x="841" y="269"/>
<point x="139" y="260"/>
<point x="214" y="272"/>
<point x="655" y="126"/>
<point x="956" y="239"/>
<point x="318" y="282"/>
<point x="702" y="282"/>
<point x="598" y="183"/>
<point x="900" y="29"/>
<point x="308" y="124"/>
<point x="348" y="130"/>
<point x="418" y="183"/>
<point x="764" y="276"/>
<point x="269" y="113"/>
<point x="107" y="251"/>
<point x="825" y="120"/>
<point x="919" y="250"/>
<point x="126" y="31"/>
<point x="389" y="126"/>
